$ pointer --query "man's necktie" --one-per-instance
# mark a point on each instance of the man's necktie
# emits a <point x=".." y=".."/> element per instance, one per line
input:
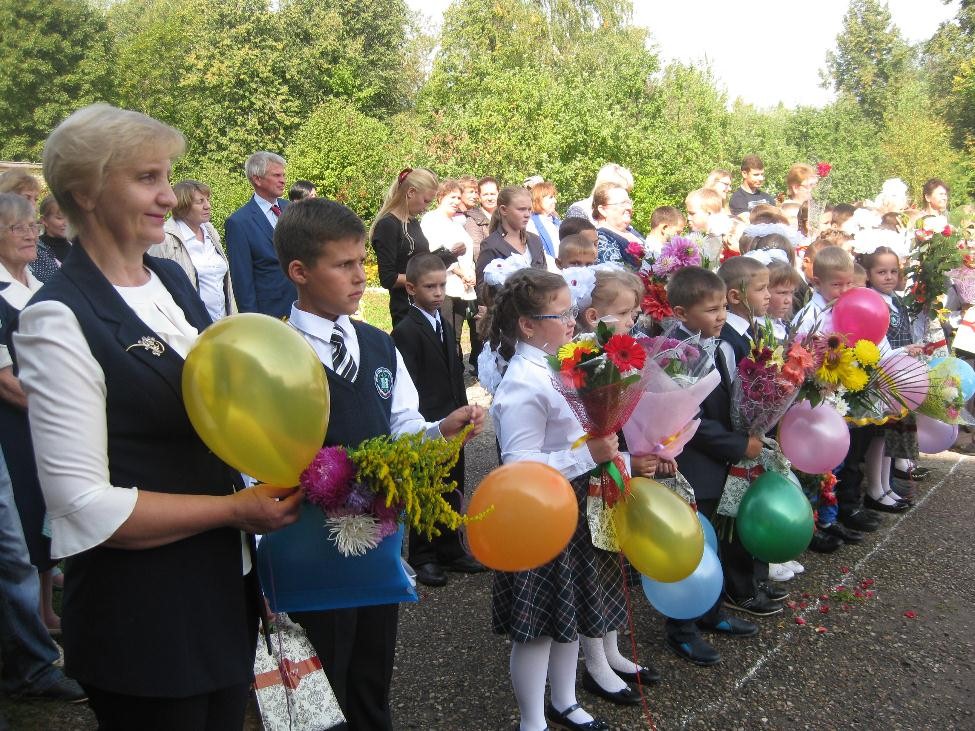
<point x="276" y="209"/>
<point x="342" y="362"/>
<point x="439" y="330"/>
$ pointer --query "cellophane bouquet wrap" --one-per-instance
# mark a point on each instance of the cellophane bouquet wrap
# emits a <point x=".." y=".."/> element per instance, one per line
<point x="945" y="400"/>
<point x="293" y="693"/>
<point x="600" y="375"/>
<point x="677" y="377"/>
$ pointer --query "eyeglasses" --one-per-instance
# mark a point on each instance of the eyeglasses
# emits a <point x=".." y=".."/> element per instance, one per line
<point x="568" y="316"/>
<point x="21" y="228"/>
<point x="626" y="202"/>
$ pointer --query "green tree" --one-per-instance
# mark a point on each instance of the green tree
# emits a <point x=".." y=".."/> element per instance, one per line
<point x="871" y="59"/>
<point x="56" y="57"/>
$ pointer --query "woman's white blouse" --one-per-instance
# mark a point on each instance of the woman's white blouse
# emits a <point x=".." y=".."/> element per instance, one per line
<point x="66" y="396"/>
<point x="443" y="233"/>
<point x="17" y="296"/>
<point x="211" y="270"/>
<point x="533" y="421"/>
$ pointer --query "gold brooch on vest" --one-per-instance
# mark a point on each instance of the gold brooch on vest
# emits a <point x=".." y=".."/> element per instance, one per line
<point x="150" y="344"/>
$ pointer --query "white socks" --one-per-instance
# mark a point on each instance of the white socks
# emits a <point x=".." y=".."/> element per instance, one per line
<point x="529" y="662"/>
<point x="616" y="659"/>
<point x="878" y="472"/>
<point x="562" y="663"/>
<point x="597" y="663"/>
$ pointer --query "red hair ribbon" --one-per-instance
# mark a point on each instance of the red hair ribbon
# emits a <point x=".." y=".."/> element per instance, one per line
<point x="404" y="174"/>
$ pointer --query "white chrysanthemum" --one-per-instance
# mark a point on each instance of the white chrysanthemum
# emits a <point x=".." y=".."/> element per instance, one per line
<point x="353" y="535"/>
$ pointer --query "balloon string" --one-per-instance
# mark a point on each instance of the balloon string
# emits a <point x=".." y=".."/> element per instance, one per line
<point x="288" y="699"/>
<point x="629" y="618"/>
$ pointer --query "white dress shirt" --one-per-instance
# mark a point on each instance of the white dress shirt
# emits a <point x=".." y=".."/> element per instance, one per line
<point x="17" y="295"/>
<point x="404" y="415"/>
<point x="433" y="319"/>
<point x="266" y="207"/>
<point x="740" y="325"/>
<point x="444" y="233"/>
<point x="816" y="312"/>
<point x="533" y="420"/>
<point x="57" y="368"/>
<point x="211" y="269"/>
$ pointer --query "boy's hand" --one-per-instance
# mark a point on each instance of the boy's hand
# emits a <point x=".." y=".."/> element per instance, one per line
<point x="754" y="447"/>
<point x="667" y="468"/>
<point x="645" y="466"/>
<point x="454" y="422"/>
<point x="481" y="313"/>
<point x="604" y="449"/>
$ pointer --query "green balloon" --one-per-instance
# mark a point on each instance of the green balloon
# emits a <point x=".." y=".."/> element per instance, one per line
<point x="775" y="520"/>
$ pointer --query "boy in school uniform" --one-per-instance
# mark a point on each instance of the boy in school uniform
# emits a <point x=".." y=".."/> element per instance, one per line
<point x="423" y="339"/>
<point x="832" y="271"/>
<point x="321" y="247"/>
<point x="698" y="299"/>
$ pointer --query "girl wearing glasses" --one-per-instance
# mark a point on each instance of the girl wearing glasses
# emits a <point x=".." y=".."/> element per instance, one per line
<point x="543" y="611"/>
<point x="396" y="235"/>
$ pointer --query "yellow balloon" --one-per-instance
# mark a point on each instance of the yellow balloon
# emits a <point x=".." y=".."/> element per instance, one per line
<point x="257" y="395"/>
<point x="658" y="532"/>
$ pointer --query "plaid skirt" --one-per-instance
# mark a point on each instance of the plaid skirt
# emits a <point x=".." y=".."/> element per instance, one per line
<point x="581" y="591"/>
<point x="900" y="439"/>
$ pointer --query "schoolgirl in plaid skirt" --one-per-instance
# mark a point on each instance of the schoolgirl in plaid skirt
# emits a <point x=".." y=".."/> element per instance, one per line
<point x="544" y="610"/>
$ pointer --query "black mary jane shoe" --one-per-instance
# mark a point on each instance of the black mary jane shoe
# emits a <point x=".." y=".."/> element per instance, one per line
<point x="898" y="507"/>
<point x="561" y="720"/>
<point x="648" y="674"/>
<point x="627" y="696"/>
<point x="915" y="474"/>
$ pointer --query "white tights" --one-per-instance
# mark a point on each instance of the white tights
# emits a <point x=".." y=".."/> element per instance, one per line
<point x="529" y="663"/>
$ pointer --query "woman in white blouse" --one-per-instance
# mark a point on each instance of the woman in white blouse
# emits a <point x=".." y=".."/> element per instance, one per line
<point x="444" y="229"/>
<point x="18" y="249"/>
<point x="193" y="243"/>
<point x="160" y="603"/>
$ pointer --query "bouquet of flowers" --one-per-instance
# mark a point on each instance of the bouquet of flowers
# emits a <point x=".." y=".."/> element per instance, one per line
<point x="678" y="376"/>
<point x="820" y="197"/>
<point x="678" y="253"/>
<point x="944" y="401"/>
<point x="854" y="381"/>
<point x="366" y="491"/>
<point x="820" y="489"/>
<point x="600" y="375"/>
<point x="936" y="251"/>
<point x="768" y="381"/>
<point x="963" y="277"/>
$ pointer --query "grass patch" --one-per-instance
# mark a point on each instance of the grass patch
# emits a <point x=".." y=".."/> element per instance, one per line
<point x="374" y="309"/>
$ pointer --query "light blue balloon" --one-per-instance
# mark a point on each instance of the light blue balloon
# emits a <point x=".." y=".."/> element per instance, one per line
<point x="690" y="597"/>
<point x="965" y="373"/>
<point x="710" y="537"/>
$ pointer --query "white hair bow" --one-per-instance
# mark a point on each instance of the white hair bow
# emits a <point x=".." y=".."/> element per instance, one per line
<point x="497" y="272"/>
<point x="767" y="256"/>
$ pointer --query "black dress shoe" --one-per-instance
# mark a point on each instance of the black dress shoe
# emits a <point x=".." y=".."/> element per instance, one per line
<point x="861" y="520"/>
<point x="697" y="650"/>
<point x="758" y="605"/>
<point x="734" y="626"/>
<point x="627" y="696"/>
<point x="773" y="592"/>
<point x="904" y="490"/>
<point x="648" y="674"/>
<point x="430" y="574"/>
<point x="466" y="565"/>
<point x="916" y="475"/>
<point x="839" y="531"/>
<point x="561" y="720"/>
<point x="898" y="506"/>
<point x="825" y="543"/>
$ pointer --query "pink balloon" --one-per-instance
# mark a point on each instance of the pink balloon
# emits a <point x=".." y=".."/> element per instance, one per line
<point x="814" y="439"/>
<point x="907" y="379"/>
<point x="934" y="436"/>
<point x="861" y="314"/>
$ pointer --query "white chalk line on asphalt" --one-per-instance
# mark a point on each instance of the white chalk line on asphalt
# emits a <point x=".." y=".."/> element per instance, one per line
<point x="814" y="606"/>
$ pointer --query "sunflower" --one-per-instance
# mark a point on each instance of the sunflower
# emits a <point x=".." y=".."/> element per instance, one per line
<point x="866" y="352"/>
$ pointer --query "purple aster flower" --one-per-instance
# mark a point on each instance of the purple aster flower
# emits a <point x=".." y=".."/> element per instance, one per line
<point x="328" y="479"/>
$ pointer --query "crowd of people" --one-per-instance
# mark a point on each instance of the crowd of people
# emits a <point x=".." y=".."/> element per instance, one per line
<point x="105" y="285"/>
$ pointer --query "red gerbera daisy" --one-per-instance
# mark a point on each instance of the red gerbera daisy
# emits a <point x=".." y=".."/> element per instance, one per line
<point x="625" y="352"/>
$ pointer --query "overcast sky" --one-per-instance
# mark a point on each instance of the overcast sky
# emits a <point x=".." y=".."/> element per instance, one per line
<point x="786" y="44"/>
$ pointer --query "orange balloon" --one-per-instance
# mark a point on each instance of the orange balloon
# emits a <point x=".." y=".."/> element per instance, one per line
<point x="535" y="513"/>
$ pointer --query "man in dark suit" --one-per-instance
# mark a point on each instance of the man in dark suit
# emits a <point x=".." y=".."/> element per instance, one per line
<point x="426" y="343"/>
<point x="259" y="283"/>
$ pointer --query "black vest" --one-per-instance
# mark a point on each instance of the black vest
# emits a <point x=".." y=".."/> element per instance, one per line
<point x="361" y="409"/>
<point x="171" y="621"/>
<point x="740" y="344"/>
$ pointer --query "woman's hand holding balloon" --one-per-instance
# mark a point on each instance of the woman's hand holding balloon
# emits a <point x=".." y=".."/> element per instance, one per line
<point x="265" y="508"/>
